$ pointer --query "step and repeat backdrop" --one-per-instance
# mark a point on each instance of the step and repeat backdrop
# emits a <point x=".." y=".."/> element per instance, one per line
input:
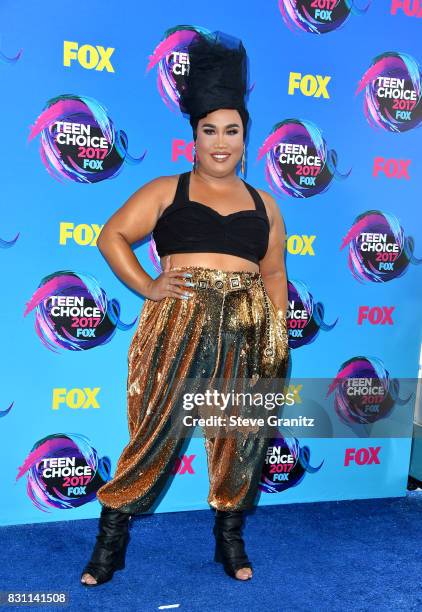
<point x="90" y="113"/>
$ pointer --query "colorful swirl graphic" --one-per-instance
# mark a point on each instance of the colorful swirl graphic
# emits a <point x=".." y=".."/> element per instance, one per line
<point x="279" y="474"/>
<point x="7" y="244"/>
<point x="318" y="16"/>
<point x="378" y="249"/>
<point x="5" y="59"/>
<point x="63" y="471"/>
<point x="298" y="162"/>
<point x="73" y="312"/>
<point x="6" y="411"/>
<point x="153" y="255"/>
<point x="79" y="142"/>
<point x="392" y="100"/>
<point x="173" y="62"/>
<point x="304" y="316"/>
<point x="364" y="392"/>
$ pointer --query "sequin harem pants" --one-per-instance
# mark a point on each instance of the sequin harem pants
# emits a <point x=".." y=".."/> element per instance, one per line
<point x="227" y="329"/>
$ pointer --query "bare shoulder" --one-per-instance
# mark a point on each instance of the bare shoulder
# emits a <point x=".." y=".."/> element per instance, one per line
<point x="138" y="216"/>
<point x="161" y="184"/>
<point x="162" y="189"/>
<point x="271" y="206"/>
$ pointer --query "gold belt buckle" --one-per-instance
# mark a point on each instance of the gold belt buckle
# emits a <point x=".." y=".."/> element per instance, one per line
<point x="235" y="281"/>
<point x="202" y="283"/>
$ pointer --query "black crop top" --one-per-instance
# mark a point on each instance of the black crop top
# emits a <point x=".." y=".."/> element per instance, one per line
<point x="187" y="226"/>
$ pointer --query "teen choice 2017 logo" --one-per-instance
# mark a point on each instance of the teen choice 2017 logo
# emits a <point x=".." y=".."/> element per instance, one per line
<point x="72" y="312"/>
<point x="392" y="98"/>
<point x="286" y="464"/>
<point x="378" y="249"/>
<point x="305" y="317"/>
<point x="297" y="160"/>
<point x="319" y="16"/>
<point x="78" y="140"/>
<point x="172" y="61"/>
<point x="364" y="392"/>
<point x="63" y="471"/>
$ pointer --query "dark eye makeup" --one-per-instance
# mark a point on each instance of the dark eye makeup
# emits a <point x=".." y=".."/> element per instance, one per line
<point x="210" y="130"/>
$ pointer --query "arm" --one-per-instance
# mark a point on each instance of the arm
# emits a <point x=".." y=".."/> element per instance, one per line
<point x="272" y="267"/>
<point x="129" y="224"/>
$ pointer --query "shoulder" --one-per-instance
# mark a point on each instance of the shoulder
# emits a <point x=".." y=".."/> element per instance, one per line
<point x="271" y="206"/>
<point x="162" y="189"/>
<point x="162" y="183"/>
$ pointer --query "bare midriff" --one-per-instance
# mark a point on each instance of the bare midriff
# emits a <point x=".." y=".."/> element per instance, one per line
<point x="219" y="261"/>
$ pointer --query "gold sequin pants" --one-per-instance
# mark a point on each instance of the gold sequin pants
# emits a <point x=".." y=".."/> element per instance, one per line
<point x="228" y="329"/>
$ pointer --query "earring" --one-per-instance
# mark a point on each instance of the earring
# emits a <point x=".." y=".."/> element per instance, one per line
<point x="242" y="166"/>
<point x="194" y="158"/>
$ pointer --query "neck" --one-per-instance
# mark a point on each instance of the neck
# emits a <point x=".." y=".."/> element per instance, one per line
<point x="217" y="181"/>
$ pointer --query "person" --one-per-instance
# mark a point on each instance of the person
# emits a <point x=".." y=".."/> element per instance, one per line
<point x="216" y="311"/>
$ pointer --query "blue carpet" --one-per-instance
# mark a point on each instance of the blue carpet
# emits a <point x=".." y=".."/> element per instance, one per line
<point x="331" y="556"/>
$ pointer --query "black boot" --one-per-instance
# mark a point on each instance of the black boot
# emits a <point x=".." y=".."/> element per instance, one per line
<point x="110" y="548"/>
<point x="229" y="546"/>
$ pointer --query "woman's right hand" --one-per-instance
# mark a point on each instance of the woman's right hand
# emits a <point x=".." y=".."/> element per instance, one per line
<point x="170" y="283"/>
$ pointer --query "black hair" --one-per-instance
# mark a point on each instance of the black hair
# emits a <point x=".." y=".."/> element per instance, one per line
<point x="217" y="78"/>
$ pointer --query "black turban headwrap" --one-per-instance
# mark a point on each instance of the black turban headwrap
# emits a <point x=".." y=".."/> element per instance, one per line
<point x="217" y="78"/>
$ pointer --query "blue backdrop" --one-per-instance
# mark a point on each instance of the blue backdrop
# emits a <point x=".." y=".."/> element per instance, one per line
<point x="62" y="399"/>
